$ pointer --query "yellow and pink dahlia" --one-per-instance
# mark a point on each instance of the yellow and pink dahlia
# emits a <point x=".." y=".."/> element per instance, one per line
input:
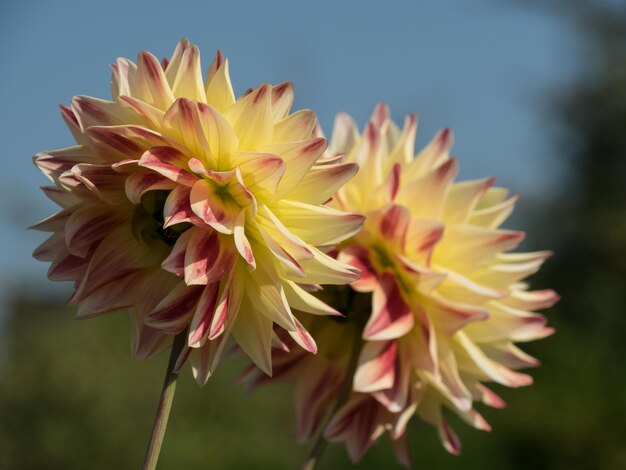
<point x="197" y="211"/>
<point x="439" y="306"/>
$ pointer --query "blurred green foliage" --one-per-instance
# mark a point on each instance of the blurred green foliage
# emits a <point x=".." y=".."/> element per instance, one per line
<point x="71" y="397"/>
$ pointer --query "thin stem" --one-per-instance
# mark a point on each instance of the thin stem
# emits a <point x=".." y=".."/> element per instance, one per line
<point x="165" y="405"/>
<point x="320" y="443"/>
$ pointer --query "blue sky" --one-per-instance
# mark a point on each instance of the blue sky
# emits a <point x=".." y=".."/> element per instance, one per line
<point x="484" y="68"/>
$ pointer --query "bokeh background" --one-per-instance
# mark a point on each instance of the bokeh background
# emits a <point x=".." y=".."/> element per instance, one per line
<point x="536" y="94"/>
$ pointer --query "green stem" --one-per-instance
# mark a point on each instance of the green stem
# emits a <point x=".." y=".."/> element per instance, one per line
<point x="165" y="405"/>
<point x="320" y="443"/>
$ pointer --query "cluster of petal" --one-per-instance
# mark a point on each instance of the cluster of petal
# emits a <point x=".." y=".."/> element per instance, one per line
<point x="447" y="299"/>
<point x="197" y="211"/>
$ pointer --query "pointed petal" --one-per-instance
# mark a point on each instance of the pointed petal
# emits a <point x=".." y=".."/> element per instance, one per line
<point x="188" y="81"/>
<point x="207" y="258"/>
<point x="321" y="183"/>
<point x="251" y="118"/>
<point x="151" y="84"/>
<point x="375" y="370"/>
<point x="170" y="163"/>
<point x="219" y="91"/>
<point x="391" y="317"/>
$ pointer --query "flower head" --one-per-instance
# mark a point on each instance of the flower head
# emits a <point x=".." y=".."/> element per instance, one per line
<point x="197" y="211"/>
<point x="440" y="302"/>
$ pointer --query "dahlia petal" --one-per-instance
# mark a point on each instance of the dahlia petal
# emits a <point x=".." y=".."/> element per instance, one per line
<point x="175" y="262"/>
<point x="50" y="248"/>
<point x="241" y="241"/>
<point x="323" y="269"/>
<point x="53" y="163"/>
<point x="423" y="344"/>
<point x="506" y="269"/>
<point x="227" y="307"/>
<point x="464" y="247"/>
<point x="282" y="99"/>
<point x="139" y="183"/>
<point x="376" y="367"/>
<point x="281" y="236"/>
<point x="533" y="300"/>
<point x="401" y="451"/>
<point x="507" y="322"/>
<point x="173" y="313"/>
<point x="402" y="153"/>
<point x="145" y="341"/>
<point x="259" y="170"/>
<point x="431" y="187"/>
<point x="168" y="162"/>
<point x="150" y="84"/>
<point x="494" y="216"/>
<point x="177" y="208"/>
<point x="251" y="118"/>
<point x="509" y="355"/>
<point x="101" y="180"/>
<point x="88" y="225"/>
<point x="395" y="398"/>
<point x="380" y="114"/>
<point x="171" y="69"/>
<point x="96" y="112"/>
<point x="221" y="137"/>
<point x="289" y="262"/>
<point x="67" y="267"/>
<point x="463" y="198"/>
<point x="188" y="80"/>
<point x="150" y="115"/>
<point x="345" y="134"/>
<point x="54" y="223"/>
<point x="266" y="293"/>
<point x="391" y="316"/>
<point x="451" y="316"/>
<point x="113" y="296"/>
<point x="474" y="360"/>
<point x="303" y="338"/>
<point x="448" y="437"/>
<point x="300" y="299"/>
<point x="313" y="392"/>
<point x="72" y="124"/>
<point x="123" y="76"/>
<point x="359" y="257"/>
<point x="320" y="184"/>
<point x="432" y="156"/>
<point x="362" y="418"/>
<point x="126" y="142"/>
<point x="185" y="124"/>
<point x="207" y="259"/>
<point x="318" y="225"/>
<point x="422" y="237"/>
<point x="219" y="91"/>
<point x="489" y="397"/>
<point x="117" y="255"/>
<point x="393" y="225"/>
<point x="205" y="360"/>
<point x="299" y="157"/>
<point x="60" y="196"/>
<point x="295" y="127"/>
<point x="253" y="333"/>
<point x="203" y="316"/>
<point x="459" y="288"/>
<point x="344" y="418"/>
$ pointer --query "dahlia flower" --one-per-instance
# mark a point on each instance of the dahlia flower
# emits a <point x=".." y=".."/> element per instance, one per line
<point x="439" y="306"/>
<point x="197" y="211"/>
